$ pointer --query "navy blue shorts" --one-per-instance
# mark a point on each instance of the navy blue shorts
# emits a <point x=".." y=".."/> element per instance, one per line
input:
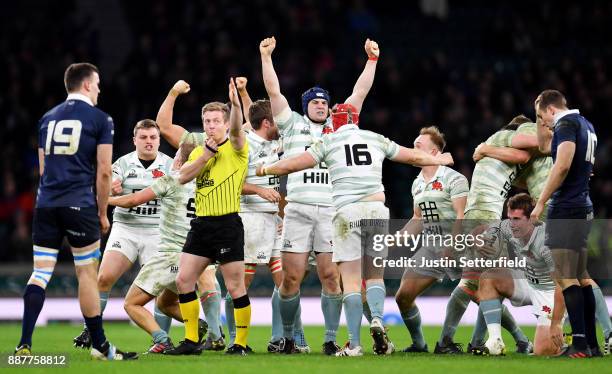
<point x="568" y="228"/>
<point x="81" y="226"/>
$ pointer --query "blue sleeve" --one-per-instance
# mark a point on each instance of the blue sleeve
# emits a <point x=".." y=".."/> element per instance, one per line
<point x="566" y="131"/>
<point x="106" y="129"/>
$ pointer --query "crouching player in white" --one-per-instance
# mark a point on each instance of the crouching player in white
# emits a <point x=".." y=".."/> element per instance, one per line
<point x="354" y="158"/>
<point x="532" y="286"/>
<point x="156" y="279"/>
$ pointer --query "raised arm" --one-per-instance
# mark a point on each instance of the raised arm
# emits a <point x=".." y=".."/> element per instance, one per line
<point x="366" y="79"/>
<point x="104" y="158"/>
<point x="241" y="83"/>
<point x="504" y="154"/>
<point x="277" y="100"/>
<point x="171" y="132"/>
<point x="133" y="199"/>
<point x="289" y="165"/>
<point x="236" y="135"/>
<point x="417" y="157"/>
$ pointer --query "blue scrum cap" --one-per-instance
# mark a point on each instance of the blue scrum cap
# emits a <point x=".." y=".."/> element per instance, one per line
<point x="311" y="94"/>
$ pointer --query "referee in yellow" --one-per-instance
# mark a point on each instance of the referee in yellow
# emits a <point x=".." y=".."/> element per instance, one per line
<point x="216" y="234"/>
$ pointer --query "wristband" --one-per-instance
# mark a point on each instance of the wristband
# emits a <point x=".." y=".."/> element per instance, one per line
<point x="210" y="149"/>
<point x="174" y="93"/>
<point x="373" y="58"/>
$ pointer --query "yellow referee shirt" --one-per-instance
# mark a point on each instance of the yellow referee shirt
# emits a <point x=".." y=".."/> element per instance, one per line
<point x="220" y="181"/>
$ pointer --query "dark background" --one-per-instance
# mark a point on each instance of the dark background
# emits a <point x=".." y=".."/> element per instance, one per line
<point x="467" y="67"/>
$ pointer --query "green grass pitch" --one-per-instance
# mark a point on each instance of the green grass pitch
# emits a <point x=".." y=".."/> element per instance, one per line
<point x="57" y="339"/>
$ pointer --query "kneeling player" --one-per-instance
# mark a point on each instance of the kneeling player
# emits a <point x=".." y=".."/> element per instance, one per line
<point x="531" y="286"/>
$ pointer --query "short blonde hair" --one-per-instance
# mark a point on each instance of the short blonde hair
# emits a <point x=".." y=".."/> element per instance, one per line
<point x="217" y="106"/>
<point x="435" y="135"/>
<point x="146" y="124"/>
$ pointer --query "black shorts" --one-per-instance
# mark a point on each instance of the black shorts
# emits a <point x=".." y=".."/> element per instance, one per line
<point x="568" y="228"/>
<point x="81" y="226"/>
<point x="221" y="239"/>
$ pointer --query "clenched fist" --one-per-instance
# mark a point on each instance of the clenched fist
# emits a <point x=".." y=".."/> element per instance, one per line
<point x="180" y="87"/>
<point x="241" y="83"/>
<point x="233" y="94"/>
<point x="371" y="48"/>
<point x="267" y="46"/>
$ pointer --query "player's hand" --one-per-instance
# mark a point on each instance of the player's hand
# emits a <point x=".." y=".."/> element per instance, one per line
<point x="556" y="335"/>
<point x="269" y="194"/>
<point x="116" y="188"/>
<point x="479" y="152"/>
<point x="536" y="213"/>
<point x="210" y="143"/>
<point x="241" y="83"/>
<point x="446" y="159"/>
<point x="371" y="48"/>
<point x="180" y="87"/>
<point x="104" y="223"/>
<point x="233" y="94"/>
<point x="267" y="46"/>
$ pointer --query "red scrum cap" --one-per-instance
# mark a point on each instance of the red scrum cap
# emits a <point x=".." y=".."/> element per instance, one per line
<point x="344" y="114"/>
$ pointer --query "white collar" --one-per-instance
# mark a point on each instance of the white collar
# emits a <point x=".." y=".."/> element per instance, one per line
<point x="534" y="233"/>
<point x="348" y="126"/>
<point x="439" y="173"/>
<point x="136" y="160"/>
<point x="78" y="96"/>
<point x="564" y="113"/>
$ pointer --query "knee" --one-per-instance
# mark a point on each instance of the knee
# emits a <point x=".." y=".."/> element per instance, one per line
<point x="291" y="282"/>
<point x="105" y="281"/>
<point x="404" y="298"/>
<point x="183" y="283"/>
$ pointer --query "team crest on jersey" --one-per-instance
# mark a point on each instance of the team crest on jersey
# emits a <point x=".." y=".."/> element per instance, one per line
<point x="132" y="174"/>
<point x="262" y="154"/>
<point x="437" y="185"/>
<point x="158" y="173"/>
<point x="305" y="130"/>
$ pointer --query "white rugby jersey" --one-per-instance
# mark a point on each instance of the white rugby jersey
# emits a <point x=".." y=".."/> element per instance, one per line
<point x="492" y="179"/>
<point x="435" y="198"/>
<point x="261" y="151"/>
<point x="134" y="177"/>
<point x="540" y="263"/>
<point x="354" y="158"/>
<point x="178" y="202"/>
<point x="310" y="186"/>
<point x="197" y="138"/>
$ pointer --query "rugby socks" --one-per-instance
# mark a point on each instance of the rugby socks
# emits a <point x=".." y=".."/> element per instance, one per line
<point x="480" y="330"/>
<point x="103" y="301"/>
<point x="601" y="312"/>
<point x="242" y="315"/>
<point x="574" y="302"/>
<point x="492" y="312"/>
<point x="229" y="318"/>
<point x="277" y="322"/>
<point x="162" y="320"/>
<point x="457" y="304"/>
<point x="211" y="304"/>
<point x="412" y="320"/>
<point x="589" y="316"/>
<point x="298" y="329"/>
<point x="353" y="310"/>
<point x="508" y="323"/>
<point x="94" y="325"/>
<point x="33" y="300"/>
<point x="190" y="310"/>
<point x="331" y="305"/>
<point x="367" y="313"/>
<point x="159" y="336"/>
<point x="375" y="295"/>
<point x="288" y="309"/>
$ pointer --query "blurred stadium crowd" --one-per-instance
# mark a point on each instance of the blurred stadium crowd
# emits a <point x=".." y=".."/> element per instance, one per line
<point x="466" y="67"/>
